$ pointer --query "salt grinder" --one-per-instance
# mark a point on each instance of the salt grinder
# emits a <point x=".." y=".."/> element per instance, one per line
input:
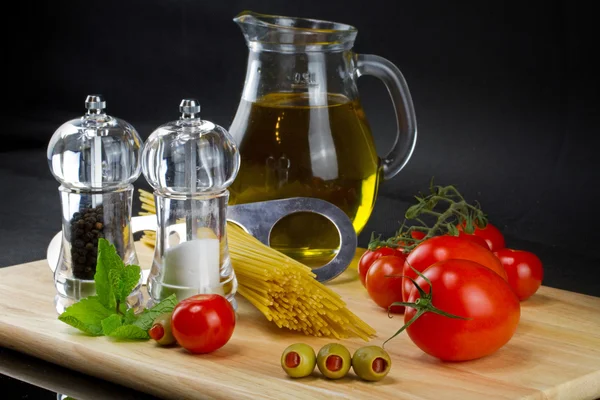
<point x="96" y="158"/>
<point x="190" y="163"/>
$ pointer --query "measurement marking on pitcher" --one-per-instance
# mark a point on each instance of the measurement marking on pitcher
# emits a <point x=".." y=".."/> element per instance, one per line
<point x="304" y="79"/>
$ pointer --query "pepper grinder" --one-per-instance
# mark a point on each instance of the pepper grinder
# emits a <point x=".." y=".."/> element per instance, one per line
<point x="96" y="158"/>
<point x="190" y="163"/>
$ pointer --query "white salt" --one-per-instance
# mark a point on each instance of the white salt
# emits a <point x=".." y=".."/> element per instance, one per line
<point x="193" y="267"/>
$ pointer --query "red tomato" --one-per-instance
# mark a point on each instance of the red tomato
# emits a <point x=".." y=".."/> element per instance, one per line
<point x="524" y="270"/>
<point x="203" y="323"/>
<point x="491" y="234"/>
<point x="475" y="239"/>
<point x="369" y="256"/>
<point x="417" y="235"/>
<point x="446" y="247"/>
<point x="382" y="289"/>
<point x="466" y="289"/>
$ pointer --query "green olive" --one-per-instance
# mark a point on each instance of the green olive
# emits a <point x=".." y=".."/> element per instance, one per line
<point x="298" y="360"/>
<point x="371" y="363"/>
<point x="161" y="330"/>
<point x="334" y="360"/>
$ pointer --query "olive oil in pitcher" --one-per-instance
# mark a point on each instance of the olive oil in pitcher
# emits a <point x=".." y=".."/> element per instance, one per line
<point x="290" y="148"/>
<point x="301" y="130"/>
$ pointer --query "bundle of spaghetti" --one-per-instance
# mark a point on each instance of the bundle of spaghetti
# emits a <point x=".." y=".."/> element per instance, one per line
<point x="284" y="290"/>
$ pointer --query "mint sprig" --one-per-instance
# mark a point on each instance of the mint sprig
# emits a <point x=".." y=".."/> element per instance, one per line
<point x="114" y="280"/>
<point x="106" y="313"/>
<point x="86" y="315"/>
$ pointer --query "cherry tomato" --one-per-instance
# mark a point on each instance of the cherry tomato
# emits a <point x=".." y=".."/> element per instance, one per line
<point x="385" y="290"/>
<point x="203" y="323"/>
<point x="417" y="235"/>
<point x="491" y="234"/>
<point x="469" y="290"/>
<point x="446" y="247"/>
<point x="524" y="271"/>
<point x="369" y="256"/>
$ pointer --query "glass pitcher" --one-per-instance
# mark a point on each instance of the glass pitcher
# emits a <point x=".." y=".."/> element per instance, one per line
<point x="301" y="129"/>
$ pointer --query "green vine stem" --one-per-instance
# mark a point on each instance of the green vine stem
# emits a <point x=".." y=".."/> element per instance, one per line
<point x="446" y="206"/>
<point x="423" y="304"/>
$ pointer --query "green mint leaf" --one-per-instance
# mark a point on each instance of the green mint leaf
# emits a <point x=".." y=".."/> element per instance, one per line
<point x="130" y="317"/>
<point x="116" y="283"/>
<point x="129" y="332"/>
<point x="149" y="315"/>
<point x="111" y="323"/>
<point x="86" y="315"/>
<point x="108" y="260"/>
<point x="130" y="277"/>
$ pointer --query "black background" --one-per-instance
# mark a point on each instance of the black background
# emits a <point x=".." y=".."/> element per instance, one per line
<point x="505" y="94"/>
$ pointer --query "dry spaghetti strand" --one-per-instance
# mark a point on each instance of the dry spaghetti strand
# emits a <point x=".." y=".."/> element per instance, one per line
<point x="281" y="288"/>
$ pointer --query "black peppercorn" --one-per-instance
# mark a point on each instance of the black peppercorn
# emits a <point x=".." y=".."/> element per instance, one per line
<point x="86" y="227"/>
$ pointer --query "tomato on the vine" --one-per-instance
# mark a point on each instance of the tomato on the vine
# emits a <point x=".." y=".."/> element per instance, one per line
<point x="524" y="270"/>
<point x="492" y="236"/>
<point x="384" y="282"/>
<point x="475" y="239"/>
<point x="468" y="290"/>
<point x="203" y="323"/>
<point x="447" y="247"/>
<point x="417" y="235"/>
<point x="369" y="256"/>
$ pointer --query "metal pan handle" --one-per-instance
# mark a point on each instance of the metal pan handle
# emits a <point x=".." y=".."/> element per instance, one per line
<point x="259" y="218"/>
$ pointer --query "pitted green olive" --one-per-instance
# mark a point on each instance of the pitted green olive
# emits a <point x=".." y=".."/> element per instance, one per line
<point x="371" y="363"/>
<point x="161" y="330"/>
<point x="298" y="360"/>
<point x="334" y="360"/>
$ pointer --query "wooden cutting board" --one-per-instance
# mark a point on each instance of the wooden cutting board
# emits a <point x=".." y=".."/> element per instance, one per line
<point x="555" y="353"/>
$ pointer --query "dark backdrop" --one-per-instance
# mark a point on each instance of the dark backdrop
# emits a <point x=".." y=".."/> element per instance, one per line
<point x="504" y="91"/>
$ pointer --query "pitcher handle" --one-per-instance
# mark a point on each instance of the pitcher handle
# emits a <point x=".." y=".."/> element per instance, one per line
<point x="406" y="135"/>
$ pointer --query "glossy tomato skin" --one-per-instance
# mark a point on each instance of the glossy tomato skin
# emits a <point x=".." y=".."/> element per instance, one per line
<point x="369" y="256"/>
<point x="467" y="289"/>
<point x="203" y="323"/>
<point x="475" y="239"/>
<point x="382" y="289"/>
<point x="446" y="247"/>
<point x="492" y="236"/>
<point x="417" y="235"/>
<point x="524" y="270"/>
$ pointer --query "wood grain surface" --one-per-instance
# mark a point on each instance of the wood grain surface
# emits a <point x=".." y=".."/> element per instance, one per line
<point x="555" y="353"/>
